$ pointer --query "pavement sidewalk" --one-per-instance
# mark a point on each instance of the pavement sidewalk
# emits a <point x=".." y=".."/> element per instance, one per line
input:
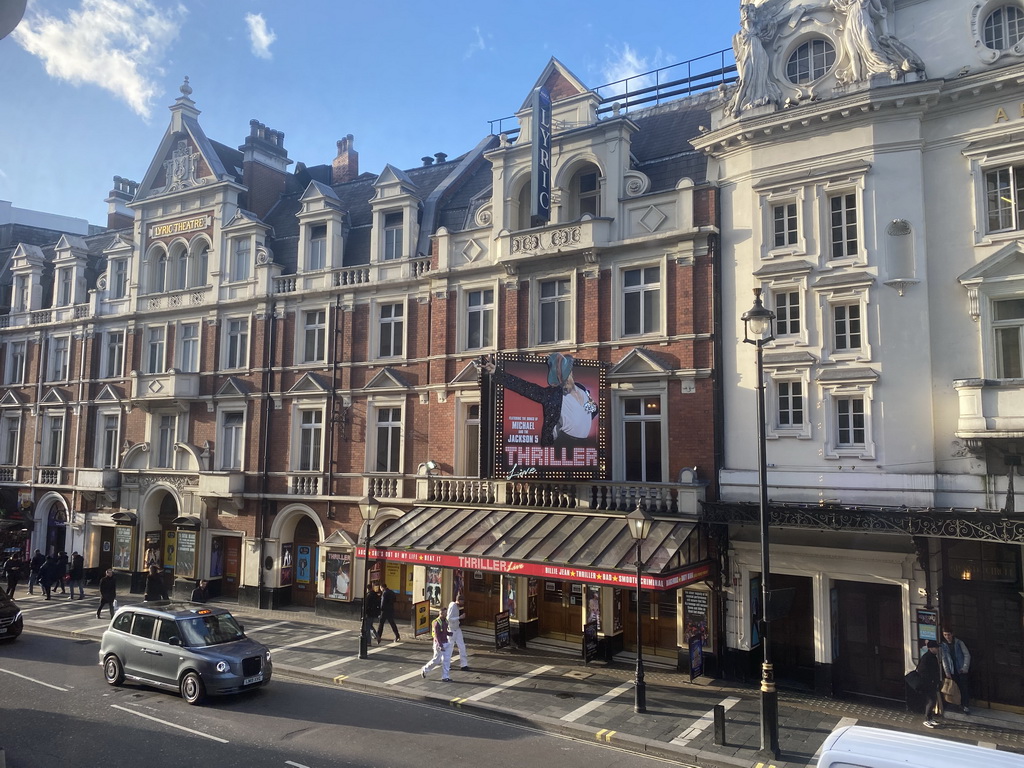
<point x="558" y="693"/>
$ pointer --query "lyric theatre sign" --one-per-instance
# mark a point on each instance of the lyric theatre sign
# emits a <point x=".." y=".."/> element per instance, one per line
<point x="182" y="227"/>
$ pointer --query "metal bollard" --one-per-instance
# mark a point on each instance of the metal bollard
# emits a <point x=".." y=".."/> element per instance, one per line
<point x="719" y="724"/>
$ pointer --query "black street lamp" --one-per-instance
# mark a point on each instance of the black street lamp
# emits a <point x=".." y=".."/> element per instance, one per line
<point x="758" y="330"/>
<point x="368" y="507"/>
<point x="639" y="528"/>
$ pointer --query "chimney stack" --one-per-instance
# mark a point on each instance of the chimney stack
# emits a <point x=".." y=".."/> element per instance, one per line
<point x="441" y="157"/>
<point x="427" y="160"/>
<point x="346" y="165"/>
<point x="123" y="192"/>
<point x="264" y="167"/>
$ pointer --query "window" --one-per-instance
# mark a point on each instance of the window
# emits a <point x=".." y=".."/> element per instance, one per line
<point x="1007" y="322"/>
<point x="53" y="439"/>
<point x="166" y="436"/>
<point x="314" y="336"/>
<point x="850" y="422"/>
<point x="391" y="330"/>
<point x="843" y="225"/>
<point x="846" y="327"/>
<point x="1004" y="28"/>
<point x="1004" y="193"/>
<point x="188" y="359"/>
<point x="236" y="348"/>
<point x="318" y="247"/>
<point x="200" y="265"/>
<point x="109" y="440"/>
<point x="470" y="454"/>
<point x="787" y="313"/>
<point x="810" y="61"/>
<point x="585" y="192"/>
<point x="393" y="230"/>
<point x="524" y="201"/>
<point x="11" y="436"/>
<point x="15" y="373"/>
<point x="64" y="284"/>
<point x="231" y="440"/>
<point x="642" y="439"/>
<point x="157" y="263"/>
<point x="790" y="399"/>
<point x="311" y="428"/>
<point x="389" y="440"/>
<point x="641" y="308"/>
<point x="784" y="230"/>
<point x="480" y="319"/>
<point x="113" y="362"/>
<point x="554" y="311"/>
<point x="20" y="294"/>
<point x="118" y="278"/>
<point x="179" y="268"/>
<point x="60" y="358"/>
<point x="238" y="270"/>
<point x="155" y="349"/>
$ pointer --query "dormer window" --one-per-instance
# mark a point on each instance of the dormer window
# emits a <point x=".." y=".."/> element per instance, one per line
<point x="586" y="192"/>
<point x="63" y="287"/>
<point x="118" y="278"/>
<point x="318" y="247"/>
<point x="523" y="201"/>
<point x="393" y="230"/>
<point x="241" y="257"/>
<point x="20" y="297"/>
<point x="1004" y="28"/>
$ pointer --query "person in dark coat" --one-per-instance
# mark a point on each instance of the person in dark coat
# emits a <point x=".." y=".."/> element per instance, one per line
<point x="108" y="592"/>
<point x="387" y="612"/>
<point x="61" y="572"/>
<point x="33" y="570"/>
<point x="12" y="570"/>
<point x="931" y="682"/>
<point x="76" y="576"/>
<point x="372" y="599"/>
<point x="48" y="575"/>
<point x="155" y="588"/>
<point x="200" y="593"/>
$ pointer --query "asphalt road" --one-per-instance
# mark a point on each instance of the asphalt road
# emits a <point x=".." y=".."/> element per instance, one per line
<point x="56" y="710"/>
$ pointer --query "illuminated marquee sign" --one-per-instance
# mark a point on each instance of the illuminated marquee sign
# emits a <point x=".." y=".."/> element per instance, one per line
<point x="540" y="190"/>
<point x="180" y="227"/>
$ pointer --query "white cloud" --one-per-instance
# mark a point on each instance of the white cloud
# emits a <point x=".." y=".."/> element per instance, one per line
<point x="113" y="44"/>
<point x="479" y="44"/>
<point x="259" y="35"/>
<point x="627" y="63"/>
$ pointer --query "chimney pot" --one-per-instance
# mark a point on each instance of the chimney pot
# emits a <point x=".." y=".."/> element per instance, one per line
<point x="427" y="160"/>
<point x="441" y="157"/>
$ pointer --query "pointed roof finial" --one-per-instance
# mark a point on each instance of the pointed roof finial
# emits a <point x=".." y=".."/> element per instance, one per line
<point x="185" y="88"/>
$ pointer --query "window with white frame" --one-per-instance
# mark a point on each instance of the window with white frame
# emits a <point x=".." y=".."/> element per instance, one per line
<point x="1008" y="328"/>
<point x="393" y="235"/>
<point x="232" y="423"/>
<point x="784" y="224"/>
<point x="53" y="439"/>
<point x="480" y="318"/>
<point x="390" y="329"/>
<point x="812" y="60"/>
<point x="789" y="404"/>
<point x="64" y="284"/>
<point x="240" y="260"/>
<point x="843" y="226"/>
<point x="156" y="339"/>
<point x="1004" y="198"/>
<point x="554" y="311"/>
<point x="314" y="336"/>
<point x="60" y="358"/>
<point x="20" y="294"/>
<point x="113" y="354"/>
<point x="847" y="333"/>
<point x="15" y="373"/>
<point x="118" y="278"/>
<point x="108" y="441"/>
<point x="585" y="192"/>
<point x="848" y="425"/>
<point x="851" y="426"/>
<point x="642" y="439"/>
<point x="188" y="347"/>
<point x="200" y="264"/>
<point x="788" y="314"/>
<point x="311" y="437"/>
<point x="388" y="440"/>
<point x="236" y="342"/>
<point x="468" y="452"/>
<point x="11" y="436"/>
<point x="165" y="435"/>
<point x="641" y="300"/>
<point x="179" y="263"/>
<point x="1004" y="27"/>
<point x="157" y="270"/>
<point x="524" y="200"/>
<point x="317" y="247"/>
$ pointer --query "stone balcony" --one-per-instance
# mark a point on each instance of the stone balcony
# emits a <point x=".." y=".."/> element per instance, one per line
<point x="581" y="236"/>
<point x="160" y="388"/>
<point x="98" y="482"/>
<point x="990" y="408"/>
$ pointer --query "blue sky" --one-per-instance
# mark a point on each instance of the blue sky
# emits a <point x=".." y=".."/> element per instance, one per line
<point x="87" y="83"/>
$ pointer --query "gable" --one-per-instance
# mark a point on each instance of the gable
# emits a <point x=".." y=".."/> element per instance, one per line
<point x="388" y="378"/>
<point x="470" y="374"/>
<point x="53" y="397"/>
<point x="11" y="400"/>
<point x="108" y="395"/>
<point x="234" y="387"/>
<point x="639" y="363"/>
<point x="309" y="384"/>
<point x="1008" y="261"/>
<point x="560" y="82"/>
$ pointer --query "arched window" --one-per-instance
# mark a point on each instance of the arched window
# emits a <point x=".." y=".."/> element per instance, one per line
<point x="521" y="215"/>
<point x="200" y="264"/>
<point x="179" y="261"/>
<point x="156" y="270"/>
<point x="810" y="61"/>
<point x="585" y="192"/>
<point x="1004" y="27"/>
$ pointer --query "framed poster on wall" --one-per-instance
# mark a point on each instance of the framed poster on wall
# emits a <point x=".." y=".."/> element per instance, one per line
<point x="338" y="575"/>
<point x="123" y="542"/>
<point x="287" y="564"/>
<point x="185" y="565"/>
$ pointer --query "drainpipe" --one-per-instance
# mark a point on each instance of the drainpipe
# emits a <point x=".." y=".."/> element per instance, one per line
<point x="268" y="409"/>
<point x="715" y="251"/>
<point x="333" y="351"/>
<point x="38" y="442"/>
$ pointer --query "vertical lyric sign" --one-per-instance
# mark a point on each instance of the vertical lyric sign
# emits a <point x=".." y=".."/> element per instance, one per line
<point x="540" y="190"/>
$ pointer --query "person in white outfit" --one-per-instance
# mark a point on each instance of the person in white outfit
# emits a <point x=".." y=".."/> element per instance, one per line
<point x="456" y="613"/>
<point x="442" y="649"/>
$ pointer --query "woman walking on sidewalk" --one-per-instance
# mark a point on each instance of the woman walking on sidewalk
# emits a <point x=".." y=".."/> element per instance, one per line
<point x="108" y="593"/>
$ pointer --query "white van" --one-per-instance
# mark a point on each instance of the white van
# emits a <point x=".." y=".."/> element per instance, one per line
<point x="856" y="746"/>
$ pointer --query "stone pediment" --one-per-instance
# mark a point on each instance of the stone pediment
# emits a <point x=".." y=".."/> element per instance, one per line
<point x="54" y="397"/>
<point x="234" y="387"/>
<point x="1008" y="261"/>
<point x="309" y="384"/>
<point x="11" y="400"/>
<point x="108" y="395"/>
<point x="388" y="378"/>
<point x="469" y="374"/>
<point x="339" y="539"/>
<point x="640" y="363"/>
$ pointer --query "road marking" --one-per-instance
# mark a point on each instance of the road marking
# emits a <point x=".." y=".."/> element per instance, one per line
<point x="340" y="679"/>
<point x="576" y="714"/>
<point x="508" y="684"/>
<point x="843" y="721"/>
<point x="172" y="725"/>
<point x="988" y="744"/>
<point x="95" y="626"/>
<point x="65" y="617"/>
<point x="345" y="659"/>
<point x="33" y="680"/>
<point x="37" y="608"/>
<point x="605" y="735"/>
<point x="702" y="723"/>
<point x="297" y="765"/>
<point x="402" y="678"/>
<point x="269" y="626"/>
<point x="308" y="640"/>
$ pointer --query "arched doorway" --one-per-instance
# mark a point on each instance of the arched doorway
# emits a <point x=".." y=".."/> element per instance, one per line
<point x="159" y="535"/>
<point x="56" y="529"/>
<point x="306" y="538"/>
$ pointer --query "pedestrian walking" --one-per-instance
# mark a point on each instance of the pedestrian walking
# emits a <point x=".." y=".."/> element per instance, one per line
<point x="76" y="576"/>
<point x="956" y="664"/>
<point x="62" y="571"/>
<point x="931" y="680"/>
<point x="12" y="570"/>
<point x="155" y="587"/>
<point x="372" y="599"/>
<point x="387" y="612"/>
<point x="456" y="613"/>
<point x="108" y="593"/>
<point x="200" y="594"/>
<point x="33" y="570"/>
<point x="441" y="633"/>
<point x="48" y="575"/>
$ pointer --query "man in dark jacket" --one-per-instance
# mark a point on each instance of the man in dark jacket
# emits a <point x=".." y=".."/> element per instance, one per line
<point x="33" y="570"/>
<point x="61" y="572"/>
<point x="155" y="587"/>
<point x="76" y="576"/>
<point x="387" y="612"/>
<point x="108" y="592"/>
<point x="47" y="575"/>
<point x="12" y="570"/>
<point x="931" y="681"/>
<point x="201" y="594"/>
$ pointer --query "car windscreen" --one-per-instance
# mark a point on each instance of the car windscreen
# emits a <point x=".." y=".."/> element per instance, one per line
<point x="209" y="630"/>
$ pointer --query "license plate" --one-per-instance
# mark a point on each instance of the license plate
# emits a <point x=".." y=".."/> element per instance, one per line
<point x="254" y="679"/>
<point x="3" y="630"/>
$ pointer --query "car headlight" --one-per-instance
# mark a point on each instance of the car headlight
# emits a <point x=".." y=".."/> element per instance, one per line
<point x="223" y="666"/>
<point x="268" y="656"/>
<point x="17" y="618"/>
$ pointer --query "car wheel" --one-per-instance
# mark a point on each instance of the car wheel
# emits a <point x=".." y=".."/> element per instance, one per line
<point x="192" y="689"/>
<point x="113" y="670"/>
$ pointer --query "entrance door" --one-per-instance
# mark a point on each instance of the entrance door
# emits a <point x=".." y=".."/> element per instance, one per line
<point x="870" y="633"/>
<point x="232" y="546"/>
<point x="793" y="635"/>
<point x="648" y="624"/>
<point x="106" y="558"/>
<point x="987" y="618"/>
<point x="304" y="586"/>
<point x="482" y="592"/>
<point x="561" y="610"/>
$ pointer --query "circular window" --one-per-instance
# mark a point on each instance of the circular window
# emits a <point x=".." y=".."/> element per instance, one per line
<point x="810" y="61"/>
<point x="1004" y="27"/>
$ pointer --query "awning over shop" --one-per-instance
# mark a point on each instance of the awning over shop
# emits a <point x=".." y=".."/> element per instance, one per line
<point x="569" y="546"/>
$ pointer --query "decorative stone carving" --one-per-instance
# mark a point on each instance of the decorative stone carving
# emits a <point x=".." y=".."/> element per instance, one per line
<point x="483" y="216"/>
<point x="868" y="47"/>
<point x="751" y="45"/>
<point x="181" y="168"/>
<point x="636" y="183"/>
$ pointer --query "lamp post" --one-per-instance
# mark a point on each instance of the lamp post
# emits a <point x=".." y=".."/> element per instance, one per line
<point x="639" y="528"/>
<point x="368" y="507"/>
<point x="758" y="330"/>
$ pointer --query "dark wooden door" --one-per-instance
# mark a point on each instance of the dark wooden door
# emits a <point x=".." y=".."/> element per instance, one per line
<point x="870" y="634"/>
<point x="792" y="635"/>
<point x="987" y="618"/>
<point x="561" y="610"/>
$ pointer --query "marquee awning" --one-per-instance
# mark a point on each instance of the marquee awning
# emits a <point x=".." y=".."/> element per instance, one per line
<point x="570" y="546"/>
